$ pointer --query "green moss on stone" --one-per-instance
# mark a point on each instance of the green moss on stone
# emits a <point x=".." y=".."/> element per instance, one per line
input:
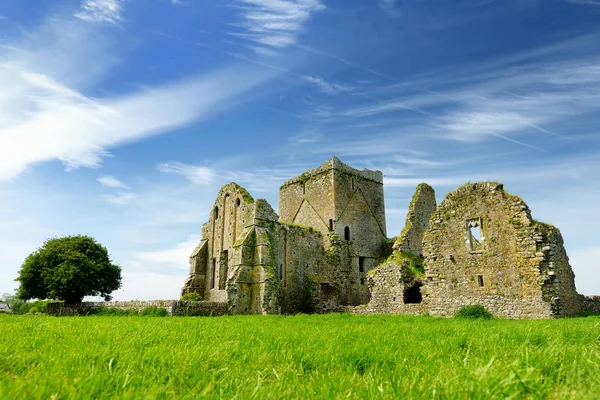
<point x="245" y="194"/>
<point x="411" y="261"/>
<point x="293" y="225"/>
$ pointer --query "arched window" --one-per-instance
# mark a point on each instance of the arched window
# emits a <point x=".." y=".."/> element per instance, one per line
<point x="216" y="212"/>
<point x="238" y="202"/>
<point x="347" y="233"/>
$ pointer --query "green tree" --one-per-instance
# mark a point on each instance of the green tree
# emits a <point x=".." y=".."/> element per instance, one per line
<point x="68" y="269"/>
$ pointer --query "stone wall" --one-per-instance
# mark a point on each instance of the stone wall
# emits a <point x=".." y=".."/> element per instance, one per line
<point x="483" y="247"/>
<point x="328" y="250"/>
<point x="590" y="304"/>
<point x="421" y="207"/>
<point x="173" y="307"/>
<point x="396" y="287"/>
<point x="213" y="262"/>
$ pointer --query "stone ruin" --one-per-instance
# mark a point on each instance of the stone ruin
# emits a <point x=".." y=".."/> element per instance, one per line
<point x="328" y="251"/>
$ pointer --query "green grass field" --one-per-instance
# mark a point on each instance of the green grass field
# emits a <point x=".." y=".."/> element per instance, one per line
<point x="306" y="356"/>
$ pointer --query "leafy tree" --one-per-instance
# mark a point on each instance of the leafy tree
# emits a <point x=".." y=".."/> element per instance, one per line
<point x="68" y="269"/>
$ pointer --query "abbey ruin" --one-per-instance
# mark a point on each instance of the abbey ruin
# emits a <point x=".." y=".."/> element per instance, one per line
<point x="328" y="251"/>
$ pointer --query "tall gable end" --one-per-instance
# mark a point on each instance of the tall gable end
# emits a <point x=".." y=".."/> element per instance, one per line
<point x="483" y="247"/>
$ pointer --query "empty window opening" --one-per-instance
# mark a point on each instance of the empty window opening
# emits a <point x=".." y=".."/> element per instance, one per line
<point x="475" y="236"/>
<point x="330" y="225"/>
<point x="238" y="202"/>
<point x="213" y="273"/>
<point x="347" y="233"/>
<point x="353" y="184"/>
<point x="281" y="274"/>
<point x="361" y="264"/>
<point x="303" y="188"/>
<point x="394" y="299"/>
<point x="223" y="269"/>
<point x="216" y="212"/>
<point x="412" y="294"/>
<point x="327" y="290"/>
<point x="480" y="280"/>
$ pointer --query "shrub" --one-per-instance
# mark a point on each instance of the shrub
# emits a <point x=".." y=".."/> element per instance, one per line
<point x="154" y="312"/>
<point x="473" y="312"/>
<point x="24" y="309"/>
<point x="34" y="307"/>
<point x="191" y="297"/>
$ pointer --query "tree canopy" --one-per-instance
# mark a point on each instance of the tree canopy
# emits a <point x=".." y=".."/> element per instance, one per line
<point x="68" y="269"/>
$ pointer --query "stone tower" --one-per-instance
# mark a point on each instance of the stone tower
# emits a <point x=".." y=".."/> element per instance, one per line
<point x="347" y="206"/>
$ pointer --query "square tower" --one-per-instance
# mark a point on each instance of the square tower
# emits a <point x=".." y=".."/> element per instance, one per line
<point x="336" y="198"/>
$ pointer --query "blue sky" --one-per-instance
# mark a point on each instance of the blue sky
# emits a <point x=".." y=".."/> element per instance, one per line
<point x="121" y="119"/>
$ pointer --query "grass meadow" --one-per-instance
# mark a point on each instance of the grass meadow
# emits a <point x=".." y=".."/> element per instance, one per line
<point x="304" y="356"/>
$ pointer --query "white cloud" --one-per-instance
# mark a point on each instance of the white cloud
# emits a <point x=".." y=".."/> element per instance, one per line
<point x="587" y="2"/>
<point x="119" y="199"/>
<point x="143" y="285"/>
<point x="195" y="174"/>
<point x="63" y="124"/>
<point x="306" y="137"/>
<point x="255" y="179"/>
<point x="275" y="23"/>
<point x="176" y="257"/>
<point x="327" y="87"/>
<point x="506" y="103"/>
<point x="45" y="116"/>
<point x="418" y="161"/>
<point x="264" y="51"/>
<point x="389" y="7"/>
<point x="111" y="182"/>
<point x="109" y="11"/>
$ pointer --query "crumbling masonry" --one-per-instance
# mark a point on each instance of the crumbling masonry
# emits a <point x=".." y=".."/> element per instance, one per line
<point x="328" y="251"/>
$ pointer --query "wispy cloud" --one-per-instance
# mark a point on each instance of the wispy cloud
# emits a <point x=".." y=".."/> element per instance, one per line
<point x="306" y="137"/>
<point x="118" y="199"/>
<point x="506" y="103"/>
<point x="327" y="87"/>
<point x="176" y="257"/>
<point x="390" y="7"/>
<point x="43" y="118"/>
<point x="195" y="174"/>
<point x="109" y="11"/>
<point x="264" y="51"/>
<point x="275" y="23"/>
<point x="111" y="182"/>
<point x="418" y="161"/>
<point x="587" y="2"/>
<point x="258" y="179"/>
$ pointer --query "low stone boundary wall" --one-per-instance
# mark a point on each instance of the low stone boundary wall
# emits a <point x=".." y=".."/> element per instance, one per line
<point x="591" y="304"/>
<point x="403" y="309"/>
<point x="199" y="308"/>
<point x="173" y="307"/>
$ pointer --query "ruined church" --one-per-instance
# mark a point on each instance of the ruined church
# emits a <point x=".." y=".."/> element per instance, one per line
<point x="327" y="250"/>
